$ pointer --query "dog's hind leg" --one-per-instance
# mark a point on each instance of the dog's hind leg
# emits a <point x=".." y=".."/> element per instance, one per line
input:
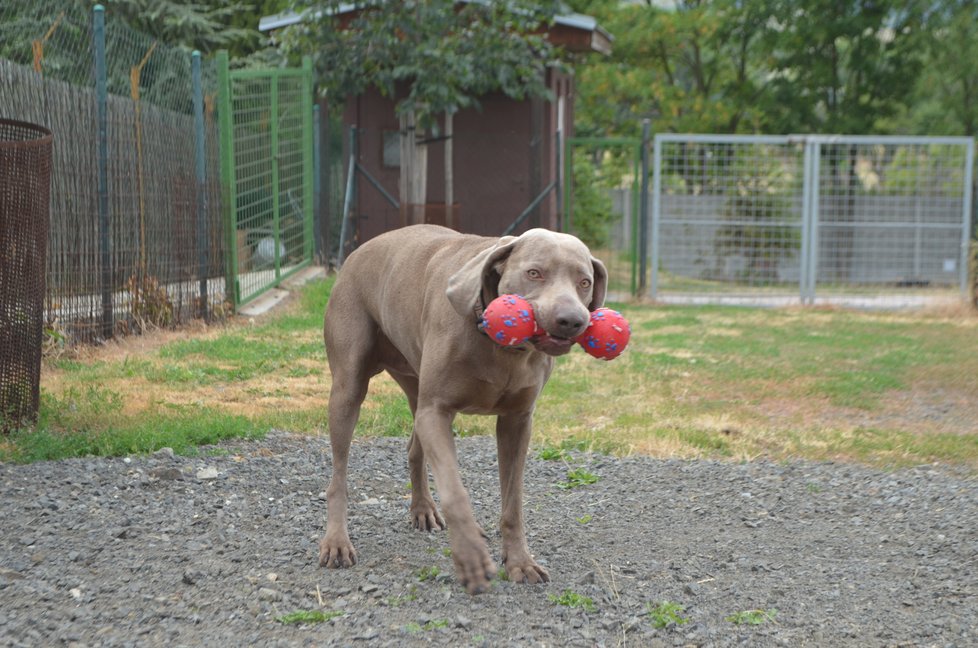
<point x="350" y="344"/>
<point x="424" y="513"/>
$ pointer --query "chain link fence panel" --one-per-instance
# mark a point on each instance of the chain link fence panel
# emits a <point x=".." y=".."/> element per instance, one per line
<point x="867" y="221"/>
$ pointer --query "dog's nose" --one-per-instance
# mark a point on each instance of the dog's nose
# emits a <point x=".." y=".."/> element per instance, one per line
<point x="570" y="326"/>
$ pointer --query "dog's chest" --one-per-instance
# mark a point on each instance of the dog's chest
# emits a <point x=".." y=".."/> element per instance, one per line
<point x="501" y="388"/>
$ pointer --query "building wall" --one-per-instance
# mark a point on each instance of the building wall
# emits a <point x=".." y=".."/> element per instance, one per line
<point x="504" y="156"/>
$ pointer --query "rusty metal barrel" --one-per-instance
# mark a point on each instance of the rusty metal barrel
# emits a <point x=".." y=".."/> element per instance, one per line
<point x="25" y="189"/>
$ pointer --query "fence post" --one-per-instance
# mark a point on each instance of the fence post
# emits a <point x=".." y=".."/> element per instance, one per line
<point x="317" y="226"/>
<point x="656" y="212"/>
<point x="105" y="243"/>
<point x="309" y="175"/>
<point x="643" y="222"/>
<point x="228" y="188"/>
<point x="201" y="168"/>
<point x="966" y="217"/>
<point x="276" y="170"/>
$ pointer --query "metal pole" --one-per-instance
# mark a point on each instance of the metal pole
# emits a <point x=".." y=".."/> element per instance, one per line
<point x="966" y="215"/>
<point x="813" y="220"/>
<point x="643" y="223"/>
<point x="276" y="186"/>
<point x="105" y="243"/>
<point x="229" y="188"/>
<point x="317" y="227"/>
<point x="656" y="216"/>
<point x="348" y="198"/>
<point x="309" y="158"/>
<point x="806" y="207"/>
<point x="199" y="149"/>
<point x="558" y="172"/>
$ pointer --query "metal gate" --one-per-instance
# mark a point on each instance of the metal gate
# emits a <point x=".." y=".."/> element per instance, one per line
<point x="784" y="218"/>
<point x="267" y="172"/>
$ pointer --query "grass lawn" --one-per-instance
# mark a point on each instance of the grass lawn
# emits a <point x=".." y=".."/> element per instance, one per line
<point x="723" y="382"/>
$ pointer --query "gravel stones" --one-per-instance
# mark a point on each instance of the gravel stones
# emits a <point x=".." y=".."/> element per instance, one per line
<point x="147" y="551"/>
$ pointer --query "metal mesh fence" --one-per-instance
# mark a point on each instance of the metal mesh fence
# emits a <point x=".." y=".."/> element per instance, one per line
<point x="135" y="259"/>
<point x="25" y="181"/>
<point x="269" y="174"/>
<point x="730" y="216"/>
<point x="892" y="214"/>
<point x="811" y="216"/>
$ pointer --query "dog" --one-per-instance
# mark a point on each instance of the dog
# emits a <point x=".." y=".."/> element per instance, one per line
<point x="409" y="302"/>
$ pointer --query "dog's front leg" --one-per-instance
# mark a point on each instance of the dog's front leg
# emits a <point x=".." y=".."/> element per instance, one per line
<point x="473" y="565"/>
<point x="512" y="443"/>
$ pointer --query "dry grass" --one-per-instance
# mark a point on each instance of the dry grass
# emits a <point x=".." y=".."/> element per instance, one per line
<point x="733" y="383"/>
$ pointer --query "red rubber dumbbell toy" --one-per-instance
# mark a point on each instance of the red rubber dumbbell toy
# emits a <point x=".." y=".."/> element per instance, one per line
<point x="508" y="320"/>
<point x="607" y="335"/>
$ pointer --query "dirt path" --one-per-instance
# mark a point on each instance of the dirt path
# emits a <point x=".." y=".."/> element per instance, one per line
<point x="211" y="550"/>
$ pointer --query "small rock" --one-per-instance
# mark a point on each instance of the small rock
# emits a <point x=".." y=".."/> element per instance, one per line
<point x="269" y="594"/>
<point x="463" y="622"/>
<point x="165" y="453"/>
<point x="370" y="501"/>
<point x="190" y="576"/>
<point x="166" y="474"/>
<point x="272" y="576"/>
<point x="75" y="593"/>
<point x="210" y="472"/>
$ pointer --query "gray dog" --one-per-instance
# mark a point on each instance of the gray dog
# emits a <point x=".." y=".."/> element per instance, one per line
<point x="409" y="302"/>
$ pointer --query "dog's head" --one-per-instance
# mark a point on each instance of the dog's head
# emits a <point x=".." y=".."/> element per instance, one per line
<point x="555" y="272"/>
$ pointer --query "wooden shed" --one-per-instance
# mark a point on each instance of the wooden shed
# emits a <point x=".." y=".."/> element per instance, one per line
<point x="505" y="152"/>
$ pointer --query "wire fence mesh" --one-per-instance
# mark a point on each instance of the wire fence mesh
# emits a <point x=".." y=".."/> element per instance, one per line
<point x="142" y="267"/>
<point x="816" y="217"/>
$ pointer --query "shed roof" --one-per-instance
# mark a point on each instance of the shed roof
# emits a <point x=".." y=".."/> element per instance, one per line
<point x="573" y="31"/>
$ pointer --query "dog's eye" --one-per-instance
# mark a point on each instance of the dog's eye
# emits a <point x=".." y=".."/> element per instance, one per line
<point x="533" y="273"/>
<point x="585" y="283"/>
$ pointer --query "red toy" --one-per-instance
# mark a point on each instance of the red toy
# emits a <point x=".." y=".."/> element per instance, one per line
<point x="607" y="335"/>
<point x="508" y="320"/>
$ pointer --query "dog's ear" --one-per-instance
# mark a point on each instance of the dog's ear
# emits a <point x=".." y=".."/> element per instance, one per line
<point x="600" y="289"/>
<point x="477" y="282"/>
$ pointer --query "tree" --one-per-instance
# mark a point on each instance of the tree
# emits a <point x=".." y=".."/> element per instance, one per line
<point x="842" y="67"/>
<point x="695" y="67"/>
<point x="431" y="57"/>
<point x="205" y="26"/>
<point x="945" y="101"/>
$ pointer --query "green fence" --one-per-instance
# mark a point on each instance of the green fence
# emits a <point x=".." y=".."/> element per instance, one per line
<point x="267" y="171"/>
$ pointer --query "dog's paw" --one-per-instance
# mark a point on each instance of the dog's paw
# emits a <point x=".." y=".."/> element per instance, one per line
<point x="473" y="565"/>
<point x="425" y="517"/>
<point x="336" y="552"/>
<point x="528" y="572"/>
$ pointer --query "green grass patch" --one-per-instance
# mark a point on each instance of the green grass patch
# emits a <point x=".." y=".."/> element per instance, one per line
<point x="77" y="434"/>
<point x="752" y="617"/>
<point x="309" y="616"/>
<point x="578" y="477"/>
<point x="571" y="599"/>
<point x="666" y="613"/>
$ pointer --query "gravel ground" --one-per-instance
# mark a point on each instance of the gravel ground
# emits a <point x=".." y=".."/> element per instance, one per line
<point x="200" y="551"/>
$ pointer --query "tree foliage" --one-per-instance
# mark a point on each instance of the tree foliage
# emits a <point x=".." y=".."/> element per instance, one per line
<point x="431" y="56"/>
<point x="781" y="66"/>
<point x="205" y="26"/>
